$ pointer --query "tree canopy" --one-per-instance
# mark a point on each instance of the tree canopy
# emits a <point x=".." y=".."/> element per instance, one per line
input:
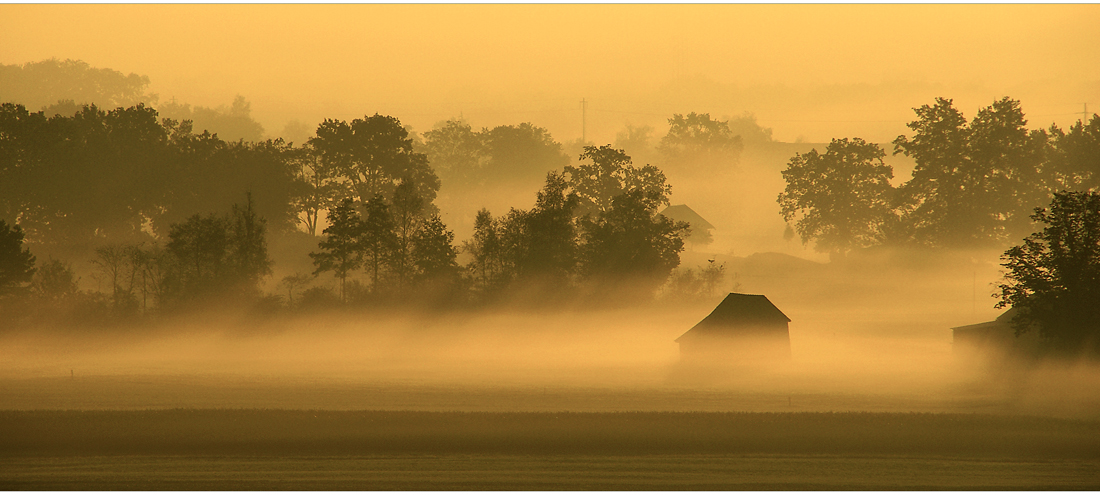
<point x="372" y="155"/>
<point x="40" y="84"/>
<point x="974" y="183"/>
<point x="697" y="139"/>
<point x="611" y="174"/>
<point x="1053" y="278"/>
<point x="842" y="198"/>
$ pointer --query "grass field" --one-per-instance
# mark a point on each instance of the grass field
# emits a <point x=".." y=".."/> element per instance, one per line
<point x="301" y="449"/>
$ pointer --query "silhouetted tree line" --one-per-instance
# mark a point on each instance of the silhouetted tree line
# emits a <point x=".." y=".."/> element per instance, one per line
<point x="979" y="183"/>
<point x="593" y="225"/>
<point x="975" y="182"/>
<point x="509" y="154"/>
<point x="123" y="176"/>
<point x="149" y="199"/>
<point x="208" y="260"/>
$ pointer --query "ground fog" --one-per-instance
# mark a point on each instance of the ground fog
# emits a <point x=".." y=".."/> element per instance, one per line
<point x="623" y="359"/>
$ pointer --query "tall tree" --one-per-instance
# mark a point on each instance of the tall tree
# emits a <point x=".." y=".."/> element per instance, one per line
<point x="611" y="174"/>
<point x="407" y="211"/>
<point x="1075" y="155"/>
<point x="199" y="248"/>
<point x="842" y="198"/>
<point x="89" y="176"/>
<point x="55" y="281"/>
<point x="485" y="247"/>
<point x="433" y="252"/>
<point x="342" y="248"/>
<point x="315" y="187"/>
<point x="1053" y="279"/>
<point x="379" y="239"/>
<point x="373" y="154"/>
<point x="630" y="244"/>
<point x="248" y="245"/>
<point x="637" y="141"/>
<point x="973" y="182"/>
<point x="550" y="244"/>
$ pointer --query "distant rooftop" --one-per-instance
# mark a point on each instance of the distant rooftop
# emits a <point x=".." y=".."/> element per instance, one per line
<point x="682" y="213"/>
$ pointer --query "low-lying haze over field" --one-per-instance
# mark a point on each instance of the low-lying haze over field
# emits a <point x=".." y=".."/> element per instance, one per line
<point x="454" y="246"/>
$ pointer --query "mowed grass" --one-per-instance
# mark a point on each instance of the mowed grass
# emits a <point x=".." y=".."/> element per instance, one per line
<point x="298" y="449"/>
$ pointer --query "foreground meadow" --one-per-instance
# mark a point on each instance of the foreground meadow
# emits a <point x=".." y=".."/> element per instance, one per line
<point x="302" y="449"/>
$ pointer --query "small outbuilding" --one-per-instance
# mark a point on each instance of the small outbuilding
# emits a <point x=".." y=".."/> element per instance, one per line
<point x="744" y="327"/>
<point x="997" y="336"/>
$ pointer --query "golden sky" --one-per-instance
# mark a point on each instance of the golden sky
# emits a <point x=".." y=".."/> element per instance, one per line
<point x="809" y="71"/>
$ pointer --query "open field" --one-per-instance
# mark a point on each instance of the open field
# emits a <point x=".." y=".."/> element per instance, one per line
<point x="527" y="472"/>
<point x="296" y="449"/>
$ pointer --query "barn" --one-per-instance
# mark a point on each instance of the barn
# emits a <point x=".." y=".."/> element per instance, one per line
<point x="744" y="327"/>
<point x="997" y="336"/>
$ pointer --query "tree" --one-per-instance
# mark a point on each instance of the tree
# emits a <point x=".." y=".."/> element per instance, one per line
<point x="636" y="140"/>
<point x="342" y="248"/>
<point x="550" y="246"/>
<point x="378" y="238"/>
<point x="372" y="155"/>
<point x="315" y="187"/>
<point x="488" y="264"/>
<point x="687" y="284"/>
<point x="433" y="252"/>
<point x="55" y="280"/>
<point x="84" y="177"/>
<point x="698" y="139"/>
<point x="457" y="153"/>
<point x="231" y="123"/>
<point x="294" y="283"/>
<point x="973" y="182"/>
<point x="611" y="174"/>
<point x="1053" y="279"/>
<point x="841" y="198"/>
<point x="1075" y="155"/>
<point x="37" y="84"/>
<point x="16" y="262"/>
<point x="248" y="245"/>
<point x="115" y="266"/>
<point x="205" y="173"/>
<point x="631" y="244"/>
<point x="217" y="255"/>
<point x="198" y="247"/>
<point x="407" y="210"/>
<point x="750" y="131"/>
<point x="521" y="153"/>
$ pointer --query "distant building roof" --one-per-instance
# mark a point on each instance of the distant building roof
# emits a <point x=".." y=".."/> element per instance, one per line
<point x="1002" y="321"/>
<point x="739" y="310"/>
<point x="682" y="213"/>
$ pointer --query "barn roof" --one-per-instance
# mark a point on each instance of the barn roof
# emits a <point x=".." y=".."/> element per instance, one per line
<point x="1003" y="320"/>
<point x="739" y="310"/>
<point x="682" y="213"/>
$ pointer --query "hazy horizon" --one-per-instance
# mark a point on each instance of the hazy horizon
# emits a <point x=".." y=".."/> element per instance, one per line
<point x="809" y="72"/>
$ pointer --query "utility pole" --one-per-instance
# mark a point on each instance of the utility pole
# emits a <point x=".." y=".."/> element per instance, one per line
<point x="1085" y="115"/>
<point x="584" y="123"/>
